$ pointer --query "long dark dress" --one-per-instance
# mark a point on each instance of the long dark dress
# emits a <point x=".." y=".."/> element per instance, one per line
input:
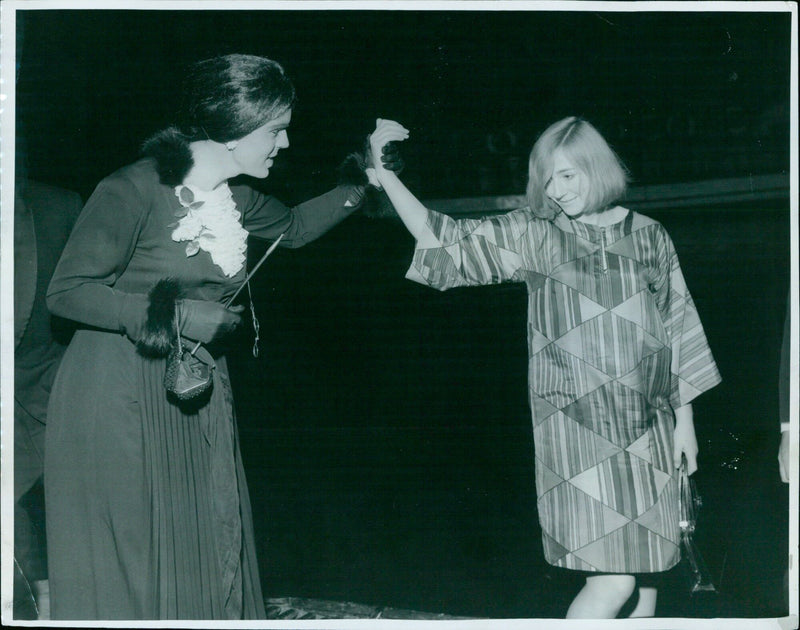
<point x="148" y="515"/>
<point x="615" y="344"/>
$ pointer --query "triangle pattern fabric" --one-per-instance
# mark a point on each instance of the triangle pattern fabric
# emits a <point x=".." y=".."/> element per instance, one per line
<point x="568" y="448"/>
<point x="652" y="373"/>
<point x="552" y="550"/>
<point x="588" y="482"/>
<point x="600" y="410"/>
<point x="584" y="377"/>
<point x="579" y="565"/>
<point x="546" y="479"/>
<point x="569" y="273"/>
<point x="687" y="390"/>
<point x="630" y="545"/>
<point x="662" y="518"/>
<point x="537" y="341"/>
<point x="600" y="521"/>
<point x="661" y="479"/>
<point x="628" y="485"/>
<point x="589" y="308"/>
<point x="612" y="520"/>
<point x="631" y="309"/>
<point x="641" y="448"/>
<point x="623" y="247"/>
<point x="542" y="409"/>
<point x="627" y="344"/>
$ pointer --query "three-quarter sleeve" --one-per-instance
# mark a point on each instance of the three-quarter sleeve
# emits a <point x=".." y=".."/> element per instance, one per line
<point x="266" y="217"/>
<point x="469" y="252"/>
<point x="96" y="254"/>
<point x="693" y="369"/>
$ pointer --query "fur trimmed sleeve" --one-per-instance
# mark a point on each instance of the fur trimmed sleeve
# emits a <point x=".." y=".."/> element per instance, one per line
<point x="159" y="330"/>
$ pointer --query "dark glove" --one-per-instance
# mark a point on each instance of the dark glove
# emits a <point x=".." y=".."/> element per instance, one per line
<point x="132" y="314"/>
<point x="373" y="201"/>
<point x="391" y="158"/>
<point x="207" y="322"/>
<point x="352" y="171"/>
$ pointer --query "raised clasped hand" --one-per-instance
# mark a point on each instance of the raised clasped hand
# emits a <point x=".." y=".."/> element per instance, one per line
<point x="385" y="131"/>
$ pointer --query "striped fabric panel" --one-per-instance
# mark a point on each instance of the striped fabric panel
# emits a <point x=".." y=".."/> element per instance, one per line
<point x="692" y="360"/>
<point x="601" y="410"/>
<point x="479" y="251"/>
<point x="653" y="377"/>
<point x="437" y="268"/>
<point x="555" y="309"/>
<point x="627" y="484"/>
<point x="565" y="500"/>
<point x="610" y="285"/>
<point x="558" y="376"/>
<point x="566" y="447"/>
<point x="663" y="518"/>
<point x="611" y="344"/>
<point x="565" y="247"/>
<point x="652" y="251"/>
<point x="635" y="549"/>
<point x="662" y="430"/>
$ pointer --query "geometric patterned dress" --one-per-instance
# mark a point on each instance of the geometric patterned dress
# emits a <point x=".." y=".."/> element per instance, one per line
<point x="614" y="345"/>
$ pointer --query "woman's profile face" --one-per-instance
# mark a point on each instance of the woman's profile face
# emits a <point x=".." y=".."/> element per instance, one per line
<point x="568" y="185"/>
<point x="255" y="152"/>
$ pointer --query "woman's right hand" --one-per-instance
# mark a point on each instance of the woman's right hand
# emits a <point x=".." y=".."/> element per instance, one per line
<point x="207" y="322"/>
<point x="385" y="131"/>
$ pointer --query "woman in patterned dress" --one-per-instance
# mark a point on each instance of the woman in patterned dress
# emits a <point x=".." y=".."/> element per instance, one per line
<point x="616" y="355"/>
<point x="148" y="515"/>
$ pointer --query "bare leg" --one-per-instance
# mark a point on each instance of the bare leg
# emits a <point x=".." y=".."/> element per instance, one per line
<point x="646" y="606"/>
<point x="41" y="591"/>
<point x="602" y="597"/>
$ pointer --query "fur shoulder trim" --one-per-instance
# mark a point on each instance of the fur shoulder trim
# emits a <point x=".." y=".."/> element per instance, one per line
<point x="170" y="148"/>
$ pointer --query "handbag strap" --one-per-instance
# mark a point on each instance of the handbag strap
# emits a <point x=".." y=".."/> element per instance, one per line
<point x="256" y="325"/>
<point x="178" y="329"/>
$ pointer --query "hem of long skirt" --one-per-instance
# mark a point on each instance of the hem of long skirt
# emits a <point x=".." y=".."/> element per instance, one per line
<point x="299" y="608"/>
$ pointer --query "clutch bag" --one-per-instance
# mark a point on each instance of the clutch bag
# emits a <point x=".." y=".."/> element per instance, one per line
<point x="689" y="502"/>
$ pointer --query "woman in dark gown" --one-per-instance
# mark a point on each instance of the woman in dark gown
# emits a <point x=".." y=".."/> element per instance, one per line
<point x="148" y="515"/>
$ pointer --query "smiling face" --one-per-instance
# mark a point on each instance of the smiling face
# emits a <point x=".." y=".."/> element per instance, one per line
<point x="254" y="153"/>
<point x="568" y="186"/>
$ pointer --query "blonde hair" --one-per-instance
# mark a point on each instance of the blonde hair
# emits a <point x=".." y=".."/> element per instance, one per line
<point x="583" y="145"/>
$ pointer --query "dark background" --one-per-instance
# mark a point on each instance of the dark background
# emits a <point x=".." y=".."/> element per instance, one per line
<point x="385" y="426"/>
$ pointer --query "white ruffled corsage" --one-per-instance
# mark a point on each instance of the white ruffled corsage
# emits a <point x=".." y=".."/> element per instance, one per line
<point x="210" y="221"/>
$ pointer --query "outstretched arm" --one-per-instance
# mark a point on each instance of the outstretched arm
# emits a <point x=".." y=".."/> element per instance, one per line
<point x="452" y="252"/>
<point x="413" y="214"/>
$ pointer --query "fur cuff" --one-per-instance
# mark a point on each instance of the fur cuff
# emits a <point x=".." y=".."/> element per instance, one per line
<point x="351" y="171"/>
<point x="376" y="204"/>
<point x="159" y="332"/>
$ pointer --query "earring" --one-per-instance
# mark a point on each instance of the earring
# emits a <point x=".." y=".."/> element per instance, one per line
<point x="231" y="145"/>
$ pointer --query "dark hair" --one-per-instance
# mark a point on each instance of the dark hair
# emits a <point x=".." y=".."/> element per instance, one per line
<point x="589" y="151"/>
<point x="223" y="99"/>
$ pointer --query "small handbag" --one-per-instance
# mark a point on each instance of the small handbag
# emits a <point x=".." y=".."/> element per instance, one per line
<point x="187" y="376"/>
<point x="689" y="503"/>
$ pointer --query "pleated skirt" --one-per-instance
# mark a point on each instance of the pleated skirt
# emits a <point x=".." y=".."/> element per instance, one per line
<point x="148" y="514"/>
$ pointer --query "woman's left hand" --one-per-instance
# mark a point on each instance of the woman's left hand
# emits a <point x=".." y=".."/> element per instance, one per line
<point x="685" y="439"/>
<point x="386" y="131"/>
